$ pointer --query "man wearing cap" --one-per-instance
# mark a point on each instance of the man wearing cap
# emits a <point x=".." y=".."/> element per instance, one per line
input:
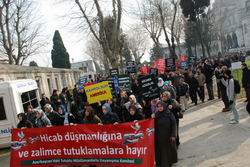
<point x="246" y="80"/>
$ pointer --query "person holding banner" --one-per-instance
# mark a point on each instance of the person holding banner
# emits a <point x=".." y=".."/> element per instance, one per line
<point x="133" y="114"/>
<point x="90" y="116"/>
<point x="165" y="137"/>
<point x="23" y="121"/>
<point x="41" y="119"/>
<point x="108" y="116"/>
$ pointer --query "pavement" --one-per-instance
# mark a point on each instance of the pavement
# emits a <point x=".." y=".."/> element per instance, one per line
<point x="207" y="138"/>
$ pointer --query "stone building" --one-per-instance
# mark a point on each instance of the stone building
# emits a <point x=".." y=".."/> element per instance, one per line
<point x="232" y="20"/>
<point x="46" y="78"/>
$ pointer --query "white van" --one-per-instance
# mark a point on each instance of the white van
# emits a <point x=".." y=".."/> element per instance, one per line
<point x="15" y="96"/>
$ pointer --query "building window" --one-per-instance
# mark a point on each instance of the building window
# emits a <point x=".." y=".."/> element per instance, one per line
<point x="49" y="84"/>
<point x="29" y="98"/>
<point x="2" y="110"/>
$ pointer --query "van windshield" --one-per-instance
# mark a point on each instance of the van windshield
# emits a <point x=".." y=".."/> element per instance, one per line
<point x="29" y="98"/>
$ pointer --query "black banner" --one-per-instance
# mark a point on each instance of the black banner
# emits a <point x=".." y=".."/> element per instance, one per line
<point x="114" y="72"/>
<point x="170" y="64"/>
<point x="148" y="87"/>
<point x="124" y="82"/>
<point x="131" y="67"/>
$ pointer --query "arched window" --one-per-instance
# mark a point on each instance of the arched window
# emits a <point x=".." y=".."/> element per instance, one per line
<point x="235" y="41"/>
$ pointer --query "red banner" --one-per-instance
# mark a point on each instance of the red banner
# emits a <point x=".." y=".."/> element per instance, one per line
<point x="128" y="144"/>
<point x="160" y="65"/>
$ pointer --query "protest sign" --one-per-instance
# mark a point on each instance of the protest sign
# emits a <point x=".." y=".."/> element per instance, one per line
<point x="114" y="72"/>
<point x="144" y="70"/>
<point x="114" y="86"/>
<point x="154" y="71"/>
<point x="124" y="82"/>
<point x="170" y="64"/>
<point x="98" y="92"/>
<point x="129" y="144"/>
<point x="160" y="64"/>
<point x="236" y="65"/>
<point x="149" y="87"/>
<point x="131" y="67"/>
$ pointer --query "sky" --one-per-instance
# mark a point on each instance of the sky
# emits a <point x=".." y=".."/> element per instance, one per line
<point x="52" y="13"/>
<point x="53" y="17"/>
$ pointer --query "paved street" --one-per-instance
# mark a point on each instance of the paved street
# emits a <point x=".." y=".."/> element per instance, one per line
<point x="207" y="140"/>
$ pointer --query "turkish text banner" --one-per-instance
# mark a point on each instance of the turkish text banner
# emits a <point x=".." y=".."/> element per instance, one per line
<point x="98" y="92"/>
<point x="128" y="144"/>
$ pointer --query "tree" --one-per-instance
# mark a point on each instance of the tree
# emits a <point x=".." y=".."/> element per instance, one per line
<point x="96" y="25"/>
<point x="156" y="53"/>
<point x="33" y="64"/>
<point x="59" y="54"/>
<point x="193" y="10"/>
<point x="151" y="22"/>
<point x="137" y="42"/>
<point x="95" y="51"/>
<point x="20" y="31"/>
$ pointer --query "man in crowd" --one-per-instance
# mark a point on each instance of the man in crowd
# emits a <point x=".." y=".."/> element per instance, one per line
<point x="209" y="72"/>
<point x="246" y="80"/>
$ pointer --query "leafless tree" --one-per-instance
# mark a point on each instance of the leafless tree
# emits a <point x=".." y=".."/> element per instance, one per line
<point x="95" y="51"/>
<point x="148" y="14"/>
<point x="20" y="30"/>
<point x="92" y="16"/>
<point x="138" y="42"/>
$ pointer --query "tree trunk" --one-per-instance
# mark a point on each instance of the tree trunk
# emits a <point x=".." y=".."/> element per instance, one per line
<point x="200" y="37"/>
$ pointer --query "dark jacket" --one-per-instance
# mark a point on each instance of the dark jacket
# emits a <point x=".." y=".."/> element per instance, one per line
<point x="165" y="128"/>
<point x="24" y="123"/>
<point x="193" y="83"/>
<point x="209" y="72"/>
<point x="44" y="101"/>
<point x="182" y="90"/>
<point x="246" y="78"/>
<point x="136" y="116"/>
<point x="55" y="118"/>
<point x="31" y="116"/>
<point x="110" y="118"/>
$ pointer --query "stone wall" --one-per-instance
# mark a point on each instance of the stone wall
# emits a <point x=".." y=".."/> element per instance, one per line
<point x="46" y="78"/>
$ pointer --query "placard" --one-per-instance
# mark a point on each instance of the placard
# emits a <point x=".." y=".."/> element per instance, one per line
<point x="114" y="72"/>
<point x="127" y="145"/>
<point x="131" y="67"/>
<point x="170" y="64"/>
<point x="98" y="92"/>
<point x="160" y="64"/>
<point x="236" y="65"/>
<point x="149" y="87"/>
<point x="124" y="83"/>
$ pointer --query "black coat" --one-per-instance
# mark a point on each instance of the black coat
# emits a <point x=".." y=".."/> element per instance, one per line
<point x="110" y="118"/>
<point x="246" y="78"/>
<point x="209" y="72"/>
<point x="131" y="118"/>
<point x="165" y="128"/>
<point x="55" y="118"/>
<point x="193" y="84"/>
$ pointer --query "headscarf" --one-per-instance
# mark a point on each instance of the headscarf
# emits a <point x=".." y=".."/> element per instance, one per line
<point x="107" y="107"/>
<point x="133" y="98"/>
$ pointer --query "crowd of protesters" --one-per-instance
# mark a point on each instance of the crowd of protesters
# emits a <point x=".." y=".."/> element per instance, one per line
<point x="71" y="107"/>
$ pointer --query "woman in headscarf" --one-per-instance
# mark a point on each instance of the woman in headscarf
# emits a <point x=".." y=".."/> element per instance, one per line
<point x="41" y="119"/>
<point x="23" y="121"/>
<point x="133" y="101"/>
<point x="133" y="114"/>
<point x="165" y="136"/>
<point x="174" y="107"/>
<point x="108" y="116"/>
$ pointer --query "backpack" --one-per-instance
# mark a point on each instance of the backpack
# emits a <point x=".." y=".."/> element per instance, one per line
<point x="237" y="87"/>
